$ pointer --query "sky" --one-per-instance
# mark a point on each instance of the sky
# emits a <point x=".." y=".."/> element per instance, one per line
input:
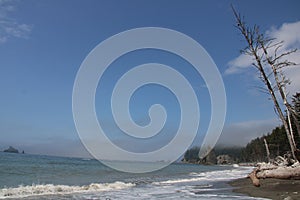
<point x="44" y="43"/>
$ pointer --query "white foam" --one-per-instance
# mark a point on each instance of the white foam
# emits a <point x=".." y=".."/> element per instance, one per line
<point x="48" y="189"/>
<point x="221" y="175"/>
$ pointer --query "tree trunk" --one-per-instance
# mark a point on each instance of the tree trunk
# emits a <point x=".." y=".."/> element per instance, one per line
<point x="254" y="179"/>
<point x="281" y="88"/>
<point x="267" y="149"/>
<point x="268" y="170"/>
<point x="275" y="101"/>
<point x="280" y="173"/>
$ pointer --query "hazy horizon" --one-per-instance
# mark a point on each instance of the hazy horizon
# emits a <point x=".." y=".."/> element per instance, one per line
<point x="44" y="43"/>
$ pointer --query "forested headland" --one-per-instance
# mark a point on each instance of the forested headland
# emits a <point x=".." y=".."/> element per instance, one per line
<point x="255" y="151"/>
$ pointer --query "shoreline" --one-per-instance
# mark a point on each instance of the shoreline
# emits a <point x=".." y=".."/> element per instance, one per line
<point x="270" y="188"/>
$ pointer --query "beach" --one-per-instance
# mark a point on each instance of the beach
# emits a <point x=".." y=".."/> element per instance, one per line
<point x="270" y="188"/>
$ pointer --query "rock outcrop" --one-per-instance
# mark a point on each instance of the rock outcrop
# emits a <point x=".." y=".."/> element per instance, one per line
<point x="224" y="160"/>
<point x="210" y="159"/>
<point x="11" y="150"/>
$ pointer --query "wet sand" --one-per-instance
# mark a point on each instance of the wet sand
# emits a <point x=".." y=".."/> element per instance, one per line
<point x="270" y="188"/>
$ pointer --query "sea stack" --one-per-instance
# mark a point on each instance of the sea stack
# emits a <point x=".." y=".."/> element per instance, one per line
<point x="11" y="150"/>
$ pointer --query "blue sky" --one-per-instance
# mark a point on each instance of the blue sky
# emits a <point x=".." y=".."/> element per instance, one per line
<point x="43" y="43"/>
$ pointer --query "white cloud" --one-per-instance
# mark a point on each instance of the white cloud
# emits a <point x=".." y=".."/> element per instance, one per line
<point x="9" y="27"/>
<point x="289" y="33"/>
<point x="239" y="134"/>
<point x="239" y="64"/>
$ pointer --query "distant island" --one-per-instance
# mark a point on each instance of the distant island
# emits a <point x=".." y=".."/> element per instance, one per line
<point x="11" y="150"/>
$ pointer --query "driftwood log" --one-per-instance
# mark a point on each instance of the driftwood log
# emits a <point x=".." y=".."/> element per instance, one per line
<point x="254" y="179"/>
<point x="268" y="170"/>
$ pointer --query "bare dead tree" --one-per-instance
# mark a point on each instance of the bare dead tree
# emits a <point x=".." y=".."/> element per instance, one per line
<point x="269" y="63"/>
<point x="267" y="149"/>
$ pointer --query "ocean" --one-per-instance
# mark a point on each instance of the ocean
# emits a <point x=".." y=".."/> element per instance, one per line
<point x="24" y="176"/>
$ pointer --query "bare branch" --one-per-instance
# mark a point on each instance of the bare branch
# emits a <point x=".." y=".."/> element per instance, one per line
<point x="283" y="55"/>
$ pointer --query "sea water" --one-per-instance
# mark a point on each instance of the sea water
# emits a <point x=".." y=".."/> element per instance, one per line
<point x="47" y="177"/>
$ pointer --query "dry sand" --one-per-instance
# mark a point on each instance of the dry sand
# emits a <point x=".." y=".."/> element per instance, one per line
<point x="270" y="188"/>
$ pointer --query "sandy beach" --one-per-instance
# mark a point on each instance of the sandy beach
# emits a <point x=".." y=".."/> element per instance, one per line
<point x="270" y="188"/>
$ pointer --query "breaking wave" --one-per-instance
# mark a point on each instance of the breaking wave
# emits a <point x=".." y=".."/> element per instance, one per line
<point x="222" y="175"/>
<point x="48" y="189"/>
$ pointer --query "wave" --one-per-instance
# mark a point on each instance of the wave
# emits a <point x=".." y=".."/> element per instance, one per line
<point x="221" y="175"/>
<point x="194" y="181"/>
<point x="49" y="189"/>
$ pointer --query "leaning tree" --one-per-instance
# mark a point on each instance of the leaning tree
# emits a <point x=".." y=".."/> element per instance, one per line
<point x="270" y="61"/>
